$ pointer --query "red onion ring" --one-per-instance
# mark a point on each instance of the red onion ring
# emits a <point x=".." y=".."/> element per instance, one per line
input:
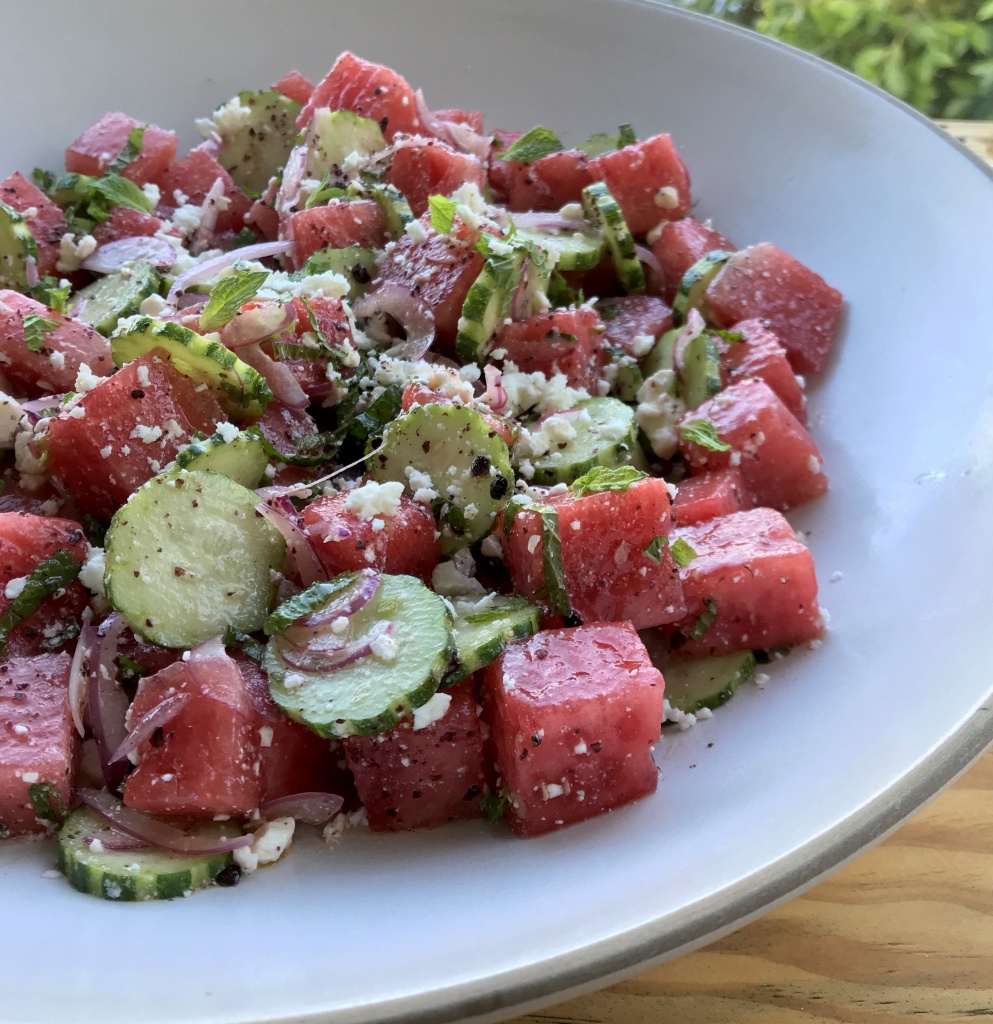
<point x="494" y="396"/>
<point x="79" y="675"/>
<point x="260" y="323"/>
<point x="650" y="260"/>
<point x="107" y="701"/>
<point x="461" y="137"/>
<point x="310" y="808"/>
<point x="288" y="196"/>
<point x="111" y="256"/>
<point x="315" y="662"/>
<point x="161" y="715"/>
<point x="413" y="316"/>
<point x="520" y="302"/>
<point x="695" y="326"/>
<point x="208" y="268"/>
<point x="301" y="561"/>
<point x="278" y="376"/>
<point x="358" y="595"/>
<point x="154" y="832"/>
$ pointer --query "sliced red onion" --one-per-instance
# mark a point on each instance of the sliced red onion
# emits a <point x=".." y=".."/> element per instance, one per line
<point x="152" y="831"/>
<point x="284" y="386"/>
<point x="315" y="662"/>
<point x="358" y="595"/>
<point x="30" y="271"/>
<point x="413" y="316"/>
<point x="650" y="260"/>
<point x="209" y="210"/>
<point x="695" y="326"/>
<point x="116" y="842"/>
<point x="260" y="323"/>
<point x="79" y="675"/>
<point x="301" y="561"/>
<point x="494" y="396"/>
<point x="107" y="701"/>
<point x="210" y="268"/>
<point x="310" y="808"/>
<point x="461" y="137"/>
<point x="36" y="406"/>
<point x="160" y="716"/>
<point x="288" y="196"/>
<point x="111" y="256"/>
<point x="520" y="301"/>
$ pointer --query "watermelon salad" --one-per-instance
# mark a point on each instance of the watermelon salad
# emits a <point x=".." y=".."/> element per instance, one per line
<point x="362" y="467"/>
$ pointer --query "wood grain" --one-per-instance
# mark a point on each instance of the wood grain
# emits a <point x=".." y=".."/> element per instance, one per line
<point x="905" y="933"/>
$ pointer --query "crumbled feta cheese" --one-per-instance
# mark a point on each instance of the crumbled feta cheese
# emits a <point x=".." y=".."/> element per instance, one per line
<point x="187" y="218"/>
<point x="155" y="305"/>
<point x="228" y="431"/>
<point x="374" y="499"/>
<point x="107" y="451"/>
<point x="86" y="379"/>
<point x="265" y="735"/>
<point x="415" y="230"/>
<point x="433" y="711"/>
<point x="535" y="391"/>
<point x="339" y="625"/>
<point x="269" y="843"/>
<point x="91" y="574"/>
<point x="420" y="484"/>
<point x="56" y="359"/>
<point x="152" y="192"/>
<point x="447" y="581"/>
<point x="145" y="433"/>
<point x="551" y="790"/>
<point x="10" y="416"/>
<point x="14" y="587"/>
<point x="385" y="648"/>
<point x="685" y="720"/>
<point x="641" y="345"/>
<point x="73" y="251"/>
<point x="667" y="198"/>
<point x="491" y="547"/>
<point x="659" y="411"/>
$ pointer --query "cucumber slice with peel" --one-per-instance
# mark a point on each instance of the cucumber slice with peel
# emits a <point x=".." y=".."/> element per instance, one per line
<point x="241" y="390"/>
<point x="695" y="282"/>
<point x="188" y="557"/>
<point x="354" y="263"/>
<point x="242" y="459"/>
<point x="603" y="212"/>
<point x="108" y="299"/>
<point x="333" y="135"/>
<point x="700" y="370"/>
<point x="580" y="250"/>
<point x="257" y="133"/>
<point x="705" y="683"/>
<point x="373" y="692"/>
<point x="17" y="244"/>
<point x="91" y="864"/>
<point x="484" y="626"/>
<point x="487" y="304"/>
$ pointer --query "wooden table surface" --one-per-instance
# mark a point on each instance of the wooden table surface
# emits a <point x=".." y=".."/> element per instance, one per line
<point x="904" y="933"/>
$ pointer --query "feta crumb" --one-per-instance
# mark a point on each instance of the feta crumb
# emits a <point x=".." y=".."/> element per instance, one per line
<point x="57" y="360"/>
<point x="448" y="581"/>
<point x="92" y="571"/>
<point x="659" y="411"/>
<point x="10" y="416"/>
<point x="641" y="345"/>
<point x="385" y="648"/>
<point x="72" y="252"/>
<point x="269" y="843"/>
<point x="762" y="680"/>
<point x="147" y="434"/>
<point x="86" y="379"/>
<point x="265" y="736"/>
<point x="339" y="625"/>
<point x="415" y="230"/>
<point x="491" y="547"/>
<point x="106" y="452"/>
<point x="375" y="499"/>
<point x="433" y="711"/>
<point x="154" y="305"/>
<point x="228" y="431"/>
<point x="14" y="587"/>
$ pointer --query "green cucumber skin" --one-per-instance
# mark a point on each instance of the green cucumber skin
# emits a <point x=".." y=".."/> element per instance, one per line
<point x="521" y="619"/>
<point x="695" y="282"/>
<point x="706" y="683"/>
<point x="16" y="245"/>
<point x="604" y="212"/>
<point x="109" y="299"/>
<point x="242" y="459"/>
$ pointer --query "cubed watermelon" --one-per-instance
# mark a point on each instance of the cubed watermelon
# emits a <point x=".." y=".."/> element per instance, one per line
<point x="337" y="225"/>
<point x="680" y="244"/>
<point x="124" y="222"/>
<point x="472" y="118"/>
<point x="422" y="774"/>
<point x="567" y="341"/>
<point x="709" y="495"/>
<point x="573" y="715"/>
<point x="38" y="742"/>
<point x="295" y="86"/>
<point x="43" y="217"/>
<point x="93" y="151"/>
<point x="780" y="463"/>
<point x="628" y="317"/>
<point x="430" y="168"/>
<point x="760" y="354"/>
<point x="758" y="579"/>
<point x="608" y="575"/>
<point x="548" y="183"/>
<point x="801" y="309"/>
<point x="192" y="178"/>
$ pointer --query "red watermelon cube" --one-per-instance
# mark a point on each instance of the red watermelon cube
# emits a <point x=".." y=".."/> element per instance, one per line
<point x="628" y="317"/>
<point x="98" y="146"/>
<point x="193" y="177"/>
<point x="759" y="580"/>
<point x="799" y="307"/>
<point x="680" y="244"/>
<point x="42" y="216"/>
<point x="573" y="715"/>
<point x="760" y="354"/>
<point x="428" y="167"/>
<point x="780" y="463"/>
<point x="337" y="225"/>
<point x="718" y="492"/>
<point x="38" y="741"/>
<point x="567" y="341"/>
<point x="295" y="86"/>
<point x="608" y="575"/>
<point x="548" y="183"/>
<point x="416" y="777"/>
<point x="124" y="222"/>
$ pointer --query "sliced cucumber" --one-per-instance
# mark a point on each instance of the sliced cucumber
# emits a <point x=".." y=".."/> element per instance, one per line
<point x="188" y="557"/>
<point x="71" y="188"/>
<point x="355" y="264"/>
<point x="700" y="372"/>
<point x="695" y="282"/>
<point x="466" y="461"/>
<point x="484" y="626"/>
<point x="628" y="377"/>
<point x="372" y="694"/>
<point x="255" y="144"/>
<point x="242" y="391"/>
<point x="609" y="440"/>
<point x="581" y="250"/>
<point x="392" y="202"/>
<point x="706" y="683"/>
<point x="660" y="357"/>
<point x="333" y="135"/>
<point x="16" y="245"/>
<point x="242" y="459"/>
<point x="487" y="304"/>
<point x="145" y="874"/>
<point x="603" y="212"/>
<point x="108" y="299"/>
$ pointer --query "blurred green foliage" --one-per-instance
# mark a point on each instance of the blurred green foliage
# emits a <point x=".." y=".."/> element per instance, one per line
<point x="935" y="54"/>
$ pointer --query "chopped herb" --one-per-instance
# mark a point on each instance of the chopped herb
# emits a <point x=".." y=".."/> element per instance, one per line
<point x="118" y="191"/>
<point x="703" y="433"/>
<point x="325" y="193"/>
<point x="654" y="548"/>
<point x="442" y="213"/>
<point x="626" y="136"/>
<point x="36" y="328"/>
<point x="47" y="577"/>
<point x="229" y="295"/>
<point x="244" y="237"/>
<point x="132" y="148"/>
<point x="47" y="803"/>
<point x="245" y="642"/>
<point x="682" y="552"/>
<point x="598" y="144"/>
<point x="131" y="671"/>
<point x="602" y="478"/>
<point x="551" y="556"/>
<point x="705" y="621"/>
<point x="494" y="805"/>
<point x="533" y="145"/>
<point x="45" y="180"/>
<point x="731" y="337"/>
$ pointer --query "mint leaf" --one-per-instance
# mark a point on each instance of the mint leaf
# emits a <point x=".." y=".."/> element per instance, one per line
<point x="36" y="328"/>
<point x="703" y="433"/>
<point x="654" y="548"/>
<point x="118" y="191"/>
<point x="44" y="179"/>
<point x="626" y="136"/>
<point x="442" y="213"/>
<point x="551" y="557"/>
<point x="132" y="148"/>
<point x="598" y="144"/>
<point x="600" y="479"/>
<point x="58" y="299"/>
<point x="494" y="805"/>
<point x="47" y="577"/>
<point x="682" y="552"/>
<point x="533" y="145"/>
<point x="705" y="621"/>
<point x="229" y="295"/>
<point x="325" y="193"/>
<point x="46" y="801"/>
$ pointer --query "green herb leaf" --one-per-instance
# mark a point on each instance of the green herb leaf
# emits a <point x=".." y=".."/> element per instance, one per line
<point x="44" y="179"/>
<point x="442" y="213"/>
<point x="494" y="805"/>
<point x="703" y="433"/>
<point x="626" y="136"/>
<point x="705" y="621"/>
<point x="118" y="191"/>
<point x="47" y="803"/>
<point x="325" y="193"/>
<point x="36" y="329"/>
<point x="654" y="548"/>
<point x="131" y="671"/>
<point x="551" y="557"/>
<point x="682" y="552"/>
<point x="244" y="237"/>
<point x="132" y="148"/>
<point x="229" y="295"/>
<point x="602" y="478"/>
<point x="47" y="577"/>
<point x="533" y="145"/>
<point x="598" y="144"/>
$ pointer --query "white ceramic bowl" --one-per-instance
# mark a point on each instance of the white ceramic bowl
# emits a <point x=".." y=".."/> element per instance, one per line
<point x="846" y="741"/>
